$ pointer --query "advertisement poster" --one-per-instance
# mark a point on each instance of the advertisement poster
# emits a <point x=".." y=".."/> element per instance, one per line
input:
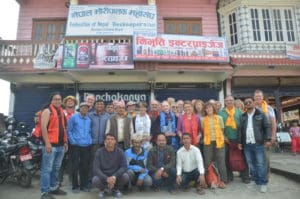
<point x="108" y="20"/>
<point x="180" y="48"/>
<point x="97" y="56"/>
<point x="293" y="52"/>
<point x="69" y="56"/>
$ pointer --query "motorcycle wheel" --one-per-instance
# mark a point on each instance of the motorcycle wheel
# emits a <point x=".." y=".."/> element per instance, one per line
<point x="24" y="179"/>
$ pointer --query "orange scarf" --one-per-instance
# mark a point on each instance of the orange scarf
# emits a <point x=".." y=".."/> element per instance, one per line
<point x="264" y="107"/>
<point x="218" y="131"/>
<point x="230" y="122"/>
<point x="191" y="127"/>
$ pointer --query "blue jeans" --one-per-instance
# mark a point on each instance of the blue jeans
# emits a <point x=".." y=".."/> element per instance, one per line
<point x="51" y="163"/>
<point x="255" y="156"/>
<point x="169" y="182"/>
<point x="187" y="177"/>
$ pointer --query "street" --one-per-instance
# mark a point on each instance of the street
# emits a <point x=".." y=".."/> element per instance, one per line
<point x="279" y="187"/>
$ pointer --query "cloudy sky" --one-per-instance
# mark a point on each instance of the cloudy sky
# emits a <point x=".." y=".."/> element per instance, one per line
<point x="8" y="22"/>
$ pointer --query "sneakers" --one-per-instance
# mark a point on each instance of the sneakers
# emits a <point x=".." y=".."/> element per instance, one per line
<point x="58" y="191"/>
<point x="85" y="189"/>
<point x="117" y="194"/>
<point x="101" y="194"/>
<point x="252" y="184"/>
<point x="47" y="196"/>
<point x="200" y="190"/>
<point x="263" y="188"/>
<point x="76" y="190"/>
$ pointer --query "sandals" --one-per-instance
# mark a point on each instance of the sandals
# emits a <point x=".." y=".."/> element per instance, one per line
<point x="222" y="185"/>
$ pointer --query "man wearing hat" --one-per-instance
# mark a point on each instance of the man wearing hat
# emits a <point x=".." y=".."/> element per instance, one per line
<point x="80" y="139"/>
<point x="136" y="157"/>
<point x="69" y="103"/>
<point x="130" y="107"/>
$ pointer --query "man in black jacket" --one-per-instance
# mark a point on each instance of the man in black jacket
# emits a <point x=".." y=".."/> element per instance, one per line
<point x="253" y="134"/>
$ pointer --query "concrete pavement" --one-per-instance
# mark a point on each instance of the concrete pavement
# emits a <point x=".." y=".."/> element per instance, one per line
<point x="279" y="186"/>
<point x="286" y="164"/>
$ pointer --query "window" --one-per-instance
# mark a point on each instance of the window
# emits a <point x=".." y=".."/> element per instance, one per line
<point x="278" y="25"/>
<point x="233" y="29"/>
<point x="273" y="24"/>
<point x="47" y="30"/>
<point x="255" y="25"/>
<point x="289" y="25"/>
<point x="183" y="26"/>
<point x="267" y="24"/>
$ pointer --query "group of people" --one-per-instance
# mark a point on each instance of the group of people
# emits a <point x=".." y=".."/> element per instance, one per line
<point x="118" y="146"/>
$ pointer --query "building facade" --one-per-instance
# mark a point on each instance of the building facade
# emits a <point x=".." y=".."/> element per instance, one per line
<point x="264" y="44"/>
<point x="191" y="62"/>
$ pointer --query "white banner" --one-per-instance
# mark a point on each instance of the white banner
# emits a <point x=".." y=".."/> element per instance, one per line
<point x="107" y="20"/>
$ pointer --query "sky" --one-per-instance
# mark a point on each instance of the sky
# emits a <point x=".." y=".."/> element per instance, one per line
<point x="9" y="10"/>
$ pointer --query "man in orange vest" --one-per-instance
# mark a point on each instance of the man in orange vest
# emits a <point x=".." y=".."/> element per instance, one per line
<point x="53" y="124"/>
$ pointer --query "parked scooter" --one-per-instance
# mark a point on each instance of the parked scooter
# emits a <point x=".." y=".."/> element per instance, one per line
<point x="15" y="156"/>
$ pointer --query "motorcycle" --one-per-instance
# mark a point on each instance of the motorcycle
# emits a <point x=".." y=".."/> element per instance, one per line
<point x="15" y="157"/>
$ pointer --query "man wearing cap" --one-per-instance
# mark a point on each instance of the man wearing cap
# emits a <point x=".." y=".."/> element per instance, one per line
<point x="130" y="106"/>
<point x="69" y="103"/>
<point x="136" y="160"/>
<point x="120" y="126"/>
<point x="80" y="139"/>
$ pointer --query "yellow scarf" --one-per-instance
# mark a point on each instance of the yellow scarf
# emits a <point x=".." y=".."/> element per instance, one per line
<point x="218" y="131"/>
<point x="230" y="122"/>
<point x="264" y="107"/>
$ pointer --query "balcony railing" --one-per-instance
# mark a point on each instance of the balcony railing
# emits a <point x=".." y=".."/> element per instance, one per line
<point x="18" y="52"/>
<point x="28" y="53"/>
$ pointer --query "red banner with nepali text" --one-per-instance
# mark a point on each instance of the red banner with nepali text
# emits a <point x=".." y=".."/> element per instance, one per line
<point x="180" y="48"/>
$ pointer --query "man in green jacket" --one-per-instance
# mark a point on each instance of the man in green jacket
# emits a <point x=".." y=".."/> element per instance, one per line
<point x="231" y="117"/>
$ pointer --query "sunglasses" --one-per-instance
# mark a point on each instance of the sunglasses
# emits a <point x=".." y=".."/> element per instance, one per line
<point x="248" y="102"/>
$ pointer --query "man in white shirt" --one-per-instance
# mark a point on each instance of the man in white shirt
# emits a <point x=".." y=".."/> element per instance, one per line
<point x="190" y="165"/>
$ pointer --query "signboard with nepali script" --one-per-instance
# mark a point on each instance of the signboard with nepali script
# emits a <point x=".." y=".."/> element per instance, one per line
<point x="293" y="51"/>
<point x="180" y="48"/>
<point x="95" y="56"/>
<point x="108" y="20"/>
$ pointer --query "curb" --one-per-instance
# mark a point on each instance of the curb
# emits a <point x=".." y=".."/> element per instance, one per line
<point x="287" y="174"/>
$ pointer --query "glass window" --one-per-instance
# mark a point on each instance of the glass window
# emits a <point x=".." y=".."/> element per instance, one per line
<point x="183" y="26"/>
<point x="278" y="25"/>
<point x="255" y="25"/>
<point x="233" y="29"/>
<point x="45" y="30"/>
<point x="289" y="25"/>
<point x="267" y="24"/>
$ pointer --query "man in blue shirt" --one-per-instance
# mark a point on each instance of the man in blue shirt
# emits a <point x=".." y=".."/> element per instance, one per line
<point x="80" y="139"/>
<point x="136" y="160"/>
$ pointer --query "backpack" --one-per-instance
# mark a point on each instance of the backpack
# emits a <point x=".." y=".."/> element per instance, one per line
<point x="236" y="158"/>
<point x="212" y="177"/>
<point x="37" y="131"/>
